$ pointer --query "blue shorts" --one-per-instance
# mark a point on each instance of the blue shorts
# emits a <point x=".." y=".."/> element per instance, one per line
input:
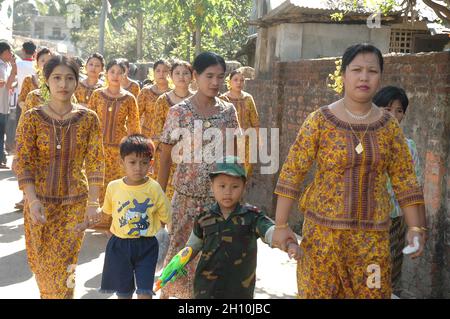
<point x="127" y="259"/>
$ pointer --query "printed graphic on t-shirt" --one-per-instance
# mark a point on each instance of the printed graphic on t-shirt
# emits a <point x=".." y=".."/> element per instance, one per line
<point x="135" y="219"/>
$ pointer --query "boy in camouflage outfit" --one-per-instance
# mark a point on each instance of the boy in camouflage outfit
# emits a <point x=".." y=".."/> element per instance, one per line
<point x="227" y="236"/>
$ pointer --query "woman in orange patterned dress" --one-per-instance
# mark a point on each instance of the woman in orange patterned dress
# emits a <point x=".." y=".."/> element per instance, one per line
<point x="181" y="75"/>
<point x="118" y="113"/>
<point x="95" y="65"/>
<point x="149" y="94"/>
<point x="128" y="84"/>
<point x="60" y="167"/>
<point x="247" y="114"/>
<point x="31" y="82"/>
<point x="356" y="146"/>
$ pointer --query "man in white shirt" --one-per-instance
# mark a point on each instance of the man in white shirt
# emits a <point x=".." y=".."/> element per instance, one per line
<point x="8" y="72"/>
<point x="25" y="67"/>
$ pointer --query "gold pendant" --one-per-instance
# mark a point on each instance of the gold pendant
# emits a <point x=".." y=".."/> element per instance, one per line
<point x="207" y="124"/>
<point x="359" y="148"/>
<point x="58" y="147"/>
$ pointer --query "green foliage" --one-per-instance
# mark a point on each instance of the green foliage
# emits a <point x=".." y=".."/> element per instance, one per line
<point x="169" y="27"/>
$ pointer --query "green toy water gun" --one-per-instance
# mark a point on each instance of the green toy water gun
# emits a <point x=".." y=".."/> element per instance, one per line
<point x="175" y="268"/>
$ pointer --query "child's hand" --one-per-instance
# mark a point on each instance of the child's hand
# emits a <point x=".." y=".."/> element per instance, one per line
<point x="294" y="251"/>
<point x="81" y="227"/>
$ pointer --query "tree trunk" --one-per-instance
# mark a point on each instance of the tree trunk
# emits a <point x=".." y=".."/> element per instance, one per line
<point x="188" y="47"/>
<point x="140" y="35"/>
<point x="198" y="39"/>
<point x="101" y="40"/>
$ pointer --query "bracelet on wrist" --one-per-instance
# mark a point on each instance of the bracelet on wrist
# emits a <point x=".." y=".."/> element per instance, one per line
<point x="417" y="229"/>
<point x="33" y="202"/>
<point x="283" y="226"/>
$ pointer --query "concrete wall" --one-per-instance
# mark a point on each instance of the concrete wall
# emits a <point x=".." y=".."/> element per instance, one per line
<point x="294" y="41"/>
<point x="324" y="40"/>
<point x="292" y="90"/>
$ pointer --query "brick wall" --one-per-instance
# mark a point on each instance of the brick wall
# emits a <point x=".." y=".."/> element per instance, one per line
<point x="294" y="89"/>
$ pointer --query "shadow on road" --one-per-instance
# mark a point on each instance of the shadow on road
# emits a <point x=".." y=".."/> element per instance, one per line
<point x="14" y="269"/>
<point x="11" y="234"/>
<point x="94" y="244"/>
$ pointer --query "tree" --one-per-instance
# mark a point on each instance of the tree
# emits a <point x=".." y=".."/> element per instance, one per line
<point x="407" y="7"/>
<point x="441" y="8"/>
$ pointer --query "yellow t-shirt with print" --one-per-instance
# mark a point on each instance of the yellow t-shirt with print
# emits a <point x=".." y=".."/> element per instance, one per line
<point x="136" y="210"/>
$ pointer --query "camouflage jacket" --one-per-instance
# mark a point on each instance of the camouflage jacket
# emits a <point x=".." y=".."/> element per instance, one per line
<point x="227" y="265"/>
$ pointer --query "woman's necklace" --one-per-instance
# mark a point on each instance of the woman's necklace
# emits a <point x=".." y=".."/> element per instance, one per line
<point x="59" y="141"/>
<point x="110" y="108"/>
<point x="359" y="148"/>
<point x="181" y="97"/>
<point x="206" y="123"/>
<point x="61" y="115"/>
<point x="357" y="117"/>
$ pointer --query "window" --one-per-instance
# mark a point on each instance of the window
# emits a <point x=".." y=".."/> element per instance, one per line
<point x="56" y="32"/>
<point x="402" y="40"/>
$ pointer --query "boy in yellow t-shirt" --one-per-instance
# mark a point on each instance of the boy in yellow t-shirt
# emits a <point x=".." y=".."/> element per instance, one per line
<point x="138" y="205"/>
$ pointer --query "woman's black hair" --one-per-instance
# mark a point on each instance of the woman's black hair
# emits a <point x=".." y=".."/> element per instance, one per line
<point x="125" y="62"/>
<point x="206" y="59"/>
<point x="387" y="95"/>
<point x="137" y="143"/>
<point x="177" y="63"/>
<point x="113" y="63"/>
<point x="352" y="51"/>
<point x="42" y="51"/>
<point x="163" y="62"/>
<point x="58" y="60"/>
<point x="97" y="56"/>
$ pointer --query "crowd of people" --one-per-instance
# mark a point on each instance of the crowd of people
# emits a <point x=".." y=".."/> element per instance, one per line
<point x="101" y="151"/>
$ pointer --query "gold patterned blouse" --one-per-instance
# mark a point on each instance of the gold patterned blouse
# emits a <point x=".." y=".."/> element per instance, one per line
<point x="29" y="84"/>
<point x="33" y="99"/>
<point x="84" y="92"/>
<point x="60" y="158"/>
<point x="119" y="117"/>
<point x="349" y="189"/>
<point x="146" y="102"/>
<point x="134" y="88"/>
<point x="162" y="107"/>
<point x="246" y="109"/>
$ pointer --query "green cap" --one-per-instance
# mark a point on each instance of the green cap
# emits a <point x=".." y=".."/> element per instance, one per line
<point x="229" y="165"/>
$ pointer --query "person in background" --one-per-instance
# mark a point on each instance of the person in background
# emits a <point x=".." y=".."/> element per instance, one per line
<point x="8" y="72"/>
<point x="128" y="84"/>
<point x="394" y="100"/>
<point x="246" y="110"/>
<point x="119" y="116"/>
<point x="95" y="65"/>
<point x="149" y="94"/>
<point x="181" y="74"/>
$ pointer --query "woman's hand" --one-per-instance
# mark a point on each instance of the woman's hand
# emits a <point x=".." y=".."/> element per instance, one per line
<point x="410" y="239"/>
<point x="92" y="217"/>
<point x="37" y="212"/>
<point x="281" y="236"/>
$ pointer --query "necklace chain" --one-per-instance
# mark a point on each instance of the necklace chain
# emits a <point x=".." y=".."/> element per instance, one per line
<point x="60" y="114"/>
<point x="59" y="141"/>
<point x="181" y="97"/>
<point x="357" y="117"/>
